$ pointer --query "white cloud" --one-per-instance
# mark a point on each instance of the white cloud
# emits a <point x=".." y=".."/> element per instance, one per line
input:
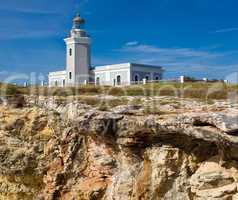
<point x="168" y="52"/>
<point x="232" y="78"/>
<point x="7" y="75"/>
<point x="200" y="62"/>
<point x="226" y="30"/>
<point x="30" y="11"/>
<point x="25" y="34"/>
<point x="4" y="73"/>
<point x="132" y="43"/>
<point x="24" y="28"/>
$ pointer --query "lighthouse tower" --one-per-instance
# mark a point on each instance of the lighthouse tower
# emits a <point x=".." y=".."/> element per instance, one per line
<point x="78" y="58"/>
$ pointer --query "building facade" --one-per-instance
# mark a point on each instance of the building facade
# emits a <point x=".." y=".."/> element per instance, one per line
<point x="57" y="79"/>
<point x="78" y="65"/>
<point x="126" y="74"/>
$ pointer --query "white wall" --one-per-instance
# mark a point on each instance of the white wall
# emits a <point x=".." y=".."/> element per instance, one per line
<point x="57" y="79"/>
<point x="108" y="74"/>
<point x="143" y="71"/>
<point x="70" y="63"/>
<point x="79" y="62"/>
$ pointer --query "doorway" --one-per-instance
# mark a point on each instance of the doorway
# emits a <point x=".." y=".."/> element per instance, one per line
<point x="136" y="79"/>
<point x="119" y="80"/>
<point x="98" y="81"/>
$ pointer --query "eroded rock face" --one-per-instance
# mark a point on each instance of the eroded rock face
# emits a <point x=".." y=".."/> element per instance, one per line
<point x="213" y="181"/>
<point x="23" y="133"/>
<point x="73" y="151"/>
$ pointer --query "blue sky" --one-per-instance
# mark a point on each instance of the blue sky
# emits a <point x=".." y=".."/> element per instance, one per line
<point x="188" y="37"/>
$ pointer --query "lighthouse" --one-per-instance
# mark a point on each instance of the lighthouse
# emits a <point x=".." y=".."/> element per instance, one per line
<point x="78" y="55"/>
<point x="79" y="71"/>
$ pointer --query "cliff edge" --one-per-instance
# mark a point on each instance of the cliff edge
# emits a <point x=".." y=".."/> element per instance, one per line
<point x="59" y="150"/>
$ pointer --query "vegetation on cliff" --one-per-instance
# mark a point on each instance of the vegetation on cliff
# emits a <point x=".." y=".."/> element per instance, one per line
<point x="186" y="90"/>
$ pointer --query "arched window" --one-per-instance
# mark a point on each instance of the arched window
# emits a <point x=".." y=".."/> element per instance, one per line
<point x="70" y="52"/>
<point x="156" y="78"/>
<point x="70" y="75"/>
<point x="147" y="78"/>
<point x="136" y="79"/>
<point x="63" y="83"/>
<point x="119" y="80"/>
<point x="97" y="81"/>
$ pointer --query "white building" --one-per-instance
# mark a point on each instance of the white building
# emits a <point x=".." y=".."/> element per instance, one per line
<point x="78" y="65"/>
<point x="126" y="74"/>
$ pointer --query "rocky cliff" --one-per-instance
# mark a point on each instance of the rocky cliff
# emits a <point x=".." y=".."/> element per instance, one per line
<point x="51" y="149"/>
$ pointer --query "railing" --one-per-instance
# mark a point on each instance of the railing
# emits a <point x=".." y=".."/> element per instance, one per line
<point x="143" y="82"/>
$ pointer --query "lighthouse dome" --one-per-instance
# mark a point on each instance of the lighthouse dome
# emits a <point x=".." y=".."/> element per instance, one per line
<point x="77" y="21"/>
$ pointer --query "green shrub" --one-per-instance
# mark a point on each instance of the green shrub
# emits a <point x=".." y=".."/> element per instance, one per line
<point x="138" y="91"/>
<point x="9" y="90"/>
<point x="116" y="91"/>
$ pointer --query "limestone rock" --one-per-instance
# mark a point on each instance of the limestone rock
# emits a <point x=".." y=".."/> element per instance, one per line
<point x="58" y="150"/>
<point x="213" y="181"/>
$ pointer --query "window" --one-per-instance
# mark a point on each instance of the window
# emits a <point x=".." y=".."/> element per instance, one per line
<point x="147" y="78"/>
<point x="98" y="81"/>
<point x="70" y="52"/>
<point x="70" y="75"/>
<point x="118" y="80"/>
<point x="63" y="83"/>
<point x="56" y="83"/>
<point x="136" y="79"/>
<point x="156" y="78"/>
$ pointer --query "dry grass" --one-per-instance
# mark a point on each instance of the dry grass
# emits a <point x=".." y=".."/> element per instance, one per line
<point x="187" y="90"/>
<point x="101" y="103"/>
